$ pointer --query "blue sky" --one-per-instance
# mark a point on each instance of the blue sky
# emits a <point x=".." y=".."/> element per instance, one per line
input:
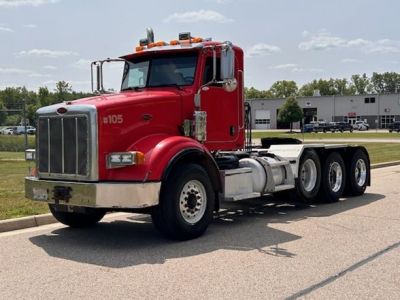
<point x="44" y="41"/>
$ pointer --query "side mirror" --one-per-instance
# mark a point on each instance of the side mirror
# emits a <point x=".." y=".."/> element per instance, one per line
<point x="227" y="73"/>
<point x="227" y="62"/>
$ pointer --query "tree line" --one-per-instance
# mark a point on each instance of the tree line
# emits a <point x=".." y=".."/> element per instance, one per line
<point x="12" y="98"/>
<point x="12" y="101"/>
<point x="379" y="83"/>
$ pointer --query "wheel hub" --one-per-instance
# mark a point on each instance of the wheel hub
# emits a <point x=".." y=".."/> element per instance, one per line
<point x="335" y="177"/>
<point x="193" y="201"/>
<point x="308" y="175"/>
<point x="360" y="173"/>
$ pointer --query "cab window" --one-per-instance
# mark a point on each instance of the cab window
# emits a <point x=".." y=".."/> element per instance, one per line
<point x="208" y="71"/>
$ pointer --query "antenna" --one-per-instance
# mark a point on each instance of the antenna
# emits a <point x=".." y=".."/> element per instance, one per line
<point x="150" y="35"/>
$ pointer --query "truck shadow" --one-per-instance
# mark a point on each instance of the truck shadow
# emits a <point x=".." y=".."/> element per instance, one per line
<point x="239" y="227"/>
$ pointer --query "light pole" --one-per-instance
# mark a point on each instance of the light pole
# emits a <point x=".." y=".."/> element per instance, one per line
<point x="24" y="120"/>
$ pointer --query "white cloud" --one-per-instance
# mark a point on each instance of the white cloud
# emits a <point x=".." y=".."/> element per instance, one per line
<point x="46" y="53"/>
<point x="198" y="16"/>
<point x="30" y="26"/>
<point x="16" y="3"/>
<point x="221" y="1"/>
<point x="357" y="43"/>
<point x="5" y="28"/>
<point x="14" y="71"/>
<point x="324" y="40"/>
<point x="39" y="75"/>
<point x="350" y="60"/>
<point x="284" y="66"/>
<point x="295" y="68"/>
<point x="49" y="67"/>
<point x="321" y="41"/>
<point x="82" y="64"/>
<point x="262" y="49"/>
<point x="309" y="70"/>
<point x="384" y="46"/>
<point x="50" y="82"/>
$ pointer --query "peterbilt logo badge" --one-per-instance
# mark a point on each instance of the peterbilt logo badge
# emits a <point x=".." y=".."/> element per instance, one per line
<point x="61" y="110"/>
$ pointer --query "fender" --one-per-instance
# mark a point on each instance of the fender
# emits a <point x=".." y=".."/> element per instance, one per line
<point x="162" y="152"/>
<point x="204" y="159"/>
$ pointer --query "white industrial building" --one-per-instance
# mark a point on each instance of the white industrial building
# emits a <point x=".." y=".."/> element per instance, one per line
<point x="379" y="110"/>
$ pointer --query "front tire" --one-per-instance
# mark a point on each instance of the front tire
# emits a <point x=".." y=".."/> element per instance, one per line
<point x="333" y="178"/>
<point x="186" y="203"/>
<point x="88" y="217"/>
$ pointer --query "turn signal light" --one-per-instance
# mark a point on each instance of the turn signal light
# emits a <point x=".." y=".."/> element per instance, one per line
<point x="156" y="44"/>
<point x="197" y="40"/>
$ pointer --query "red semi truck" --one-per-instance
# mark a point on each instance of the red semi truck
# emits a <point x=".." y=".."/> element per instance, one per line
<point x="172" y="143"/>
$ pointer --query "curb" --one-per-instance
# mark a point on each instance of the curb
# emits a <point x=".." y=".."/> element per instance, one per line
<point x="385" y="164"/>
<point x="26" y="222"/>
<point x="45" y="219"/>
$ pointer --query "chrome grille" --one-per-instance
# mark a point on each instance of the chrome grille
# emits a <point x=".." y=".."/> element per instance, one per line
<point x="63" y="146"/>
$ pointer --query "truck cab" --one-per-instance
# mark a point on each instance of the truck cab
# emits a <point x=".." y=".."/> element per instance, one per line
<point x="172" y="143"/>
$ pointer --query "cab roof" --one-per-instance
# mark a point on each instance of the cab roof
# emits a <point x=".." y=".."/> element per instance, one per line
<point x="170" y="48"/>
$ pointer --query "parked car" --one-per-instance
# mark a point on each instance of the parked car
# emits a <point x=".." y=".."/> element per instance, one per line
<point x="361" y="125"/>
<point x="322" y="127"/>
<point x="395" y="126"/>
<point x="29" y="130"/>
<point x="343" y="126"/>
<point x="308" y="128"/>
<point x="8" y="130"/>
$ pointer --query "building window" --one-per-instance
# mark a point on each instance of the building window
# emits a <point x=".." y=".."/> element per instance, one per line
<point x="369" y="100"/>
<point x="263" y="121"/>
<point x="387" y="120"/>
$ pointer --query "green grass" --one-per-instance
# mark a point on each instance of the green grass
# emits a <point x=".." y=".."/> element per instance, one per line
<point x="329" y="135"/>
<point x="15" y="143"/>
<point x="382" y="152"/>
<point x="13" y="204"/>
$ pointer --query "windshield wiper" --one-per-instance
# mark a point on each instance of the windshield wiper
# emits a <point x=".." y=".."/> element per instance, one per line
<point x="169" y="84"/>
<point x="132" y="88"/>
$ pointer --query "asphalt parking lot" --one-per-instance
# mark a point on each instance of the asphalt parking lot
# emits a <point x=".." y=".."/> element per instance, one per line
<point x="258" y="249"/>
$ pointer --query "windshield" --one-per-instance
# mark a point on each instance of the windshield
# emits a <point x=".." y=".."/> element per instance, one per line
<point x="159" y="71"/>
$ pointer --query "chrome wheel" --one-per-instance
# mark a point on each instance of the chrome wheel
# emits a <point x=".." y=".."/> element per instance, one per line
<point x="360" y="172"/>
<point x="308" y="175"/>
<point x="193" y="201"/>
<point x="335" y="177"/>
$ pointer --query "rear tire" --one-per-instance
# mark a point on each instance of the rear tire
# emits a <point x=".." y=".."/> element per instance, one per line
<point x="88" y="216"/>
<point x="186" y="203"/>
<point x="308" y="181"/>
<point x="333" y="178"/>
<point x="358" y="174"/>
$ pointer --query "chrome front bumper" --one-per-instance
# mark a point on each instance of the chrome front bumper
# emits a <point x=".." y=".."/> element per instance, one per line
<point x="106" y="195"/>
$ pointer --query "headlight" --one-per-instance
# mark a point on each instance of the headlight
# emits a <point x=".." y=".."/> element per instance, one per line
<point x="123" y="159"/>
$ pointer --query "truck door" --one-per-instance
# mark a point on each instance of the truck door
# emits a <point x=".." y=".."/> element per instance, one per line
<point x="223" y="112"/>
